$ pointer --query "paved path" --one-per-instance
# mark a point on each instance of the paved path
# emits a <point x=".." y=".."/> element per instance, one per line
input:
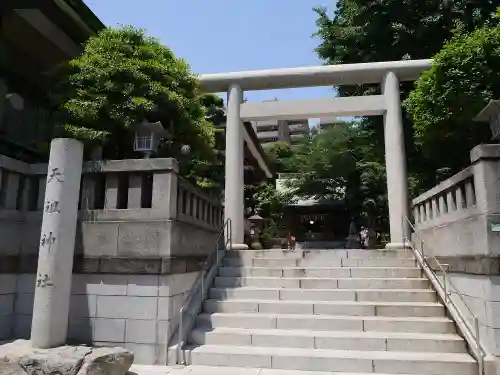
<point x="209" y="370"/>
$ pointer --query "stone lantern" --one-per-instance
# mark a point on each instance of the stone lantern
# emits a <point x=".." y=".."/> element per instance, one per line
<point x="491" y="114"/>
<point x="256" y="222"/>
<point x="147" y="137"/>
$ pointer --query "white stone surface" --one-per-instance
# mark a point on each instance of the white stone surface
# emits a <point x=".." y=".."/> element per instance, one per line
<point x="355" y="323"/>
<point x="57" y="242"/>
<point x="395" y="161"/>
<point x="234" y="202"/>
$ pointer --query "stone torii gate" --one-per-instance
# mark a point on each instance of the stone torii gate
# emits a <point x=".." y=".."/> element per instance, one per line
<point x="387" y="74"/>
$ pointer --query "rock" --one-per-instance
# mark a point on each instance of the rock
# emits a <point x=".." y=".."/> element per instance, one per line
<point x="21" y="358"/>
<point x="107" y="361"/>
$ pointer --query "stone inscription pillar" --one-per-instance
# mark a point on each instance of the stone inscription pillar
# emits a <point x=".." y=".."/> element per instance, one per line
<point x="234" y="189"/>
<point x="395" y="161"/>
<point x="57" y="242"/>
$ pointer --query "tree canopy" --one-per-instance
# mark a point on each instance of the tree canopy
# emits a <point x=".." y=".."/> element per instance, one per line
<point x="463" y="78"/>
<point x="124" y="77"/>
<point x="361" y="31"/>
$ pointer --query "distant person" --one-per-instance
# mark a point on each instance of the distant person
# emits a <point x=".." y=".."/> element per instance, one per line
<point x="363" y="235"/>
<point x="292" y="242"/>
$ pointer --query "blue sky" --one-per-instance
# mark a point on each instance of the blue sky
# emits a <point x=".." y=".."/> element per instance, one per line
<point x="228" y="35"/>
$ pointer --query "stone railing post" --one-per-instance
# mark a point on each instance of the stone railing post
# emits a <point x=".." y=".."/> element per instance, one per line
<point x="165" y="188"/>
<point x="486" y="166"/>
<point x="57" y="242"/>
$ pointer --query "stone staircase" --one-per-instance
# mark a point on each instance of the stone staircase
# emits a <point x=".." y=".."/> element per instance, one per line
<point x="349" y="311"/>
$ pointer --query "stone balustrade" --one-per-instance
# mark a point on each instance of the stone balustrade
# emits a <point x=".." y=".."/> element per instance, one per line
<point x="142" y="234"/>
<point x="459" y="222"/>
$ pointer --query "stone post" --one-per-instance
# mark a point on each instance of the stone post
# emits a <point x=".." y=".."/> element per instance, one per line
<point x="395" y="161"/>
<point x="57" y="242"/>
<point x="234" y="189"/>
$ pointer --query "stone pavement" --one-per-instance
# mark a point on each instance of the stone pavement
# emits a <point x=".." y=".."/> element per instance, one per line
<point x="215" y="370"/>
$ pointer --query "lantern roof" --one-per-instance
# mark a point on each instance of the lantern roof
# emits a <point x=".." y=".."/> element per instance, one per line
<point x="155" y="127"/>
<point x="492" y="108"/>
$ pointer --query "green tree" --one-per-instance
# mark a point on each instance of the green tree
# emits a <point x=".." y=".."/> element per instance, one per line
<point x="360" y="31"/>
<point x="463" y="78"/>
<point x="124" y="77"/>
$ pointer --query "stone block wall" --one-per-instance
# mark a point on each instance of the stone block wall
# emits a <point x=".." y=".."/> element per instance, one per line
<point x="139" y="312"/>
<point x="142" y="235"/>
<point x="456" y="220"/>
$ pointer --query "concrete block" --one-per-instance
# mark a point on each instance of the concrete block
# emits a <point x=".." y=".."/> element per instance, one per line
<point x="244" y="293"/>
<point x="8" y="283"/>
<point x="22" y="326"/>
<point x="164" y="330"/>
<point x="112" y="330"/>
<point x="263" y="321"/>
<point x="202" y="336"/>
<point x="283" y="341"/>
<point x="142" y="285"/>
<point x="80" y="330"/>
<point x="26" y="283"/>
<point x="426" y="366"/>
<point x="144" y="354"/>
<point x="225" y="359"/>
<point x="102" y="285"/>
<point x="284" y="307"/>
<point x="409" y="325"/>
<point x="169" y="307"/>
<point x="230" y="306"/>
<point x="99" y="239"/>
<point x="316" y="272"/>
<point x="350" y="343"/>
<point x="141" y="331"/>
<point x="410" y="310"/>
<point x="170" y="285"/>
<point x="6" y="304"/>
<point x="319" y="323"/>
<point x="83" y="305"/>
<point x="127" y="307"/>
<point x="130" y="266"/>
<point x="257" y="282"/>
<point x="451" y="345"/>
<point x="389" y="295"/>
<point x="144" y="239"/>
<point x="11" y="240"/>
<point x="30" y="241"/>
<point x="379" y="283"/>
<point x="6" y="325"/>
<point x="313" y="262"/>
<point x="317" y="295"/>
<point x="368" y="262"/>
<point x="24" y="304"/>
<point x="263" y="262"/>
<point x="347" y="308"/>
<point x="319" y="283"/>
<point x="309" y="363"/>
<point x="385" y="272"/>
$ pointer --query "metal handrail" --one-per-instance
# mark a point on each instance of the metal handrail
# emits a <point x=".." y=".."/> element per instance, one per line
<point x="199" y="285"/>
<point x="471" y="333"/>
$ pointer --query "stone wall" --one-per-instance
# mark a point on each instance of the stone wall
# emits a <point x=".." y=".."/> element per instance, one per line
<point x="142" y="236"/>
<point x="139" y="312"/>
<point x="458" y="221"/>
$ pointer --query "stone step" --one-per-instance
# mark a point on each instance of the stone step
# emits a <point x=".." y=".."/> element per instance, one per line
<point x="334" y="360"/>
<point x="343" y="272"/>
<point x="384" y="295"/>
<point x="322" y="283"/>
<point x="375" y="308"/>
<point x="320" y="254"/>
<point x="438" y="324"/>
<point x="219" y="370"/>
<point x="308" y="262"/>
<point x="337" y="340"/>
